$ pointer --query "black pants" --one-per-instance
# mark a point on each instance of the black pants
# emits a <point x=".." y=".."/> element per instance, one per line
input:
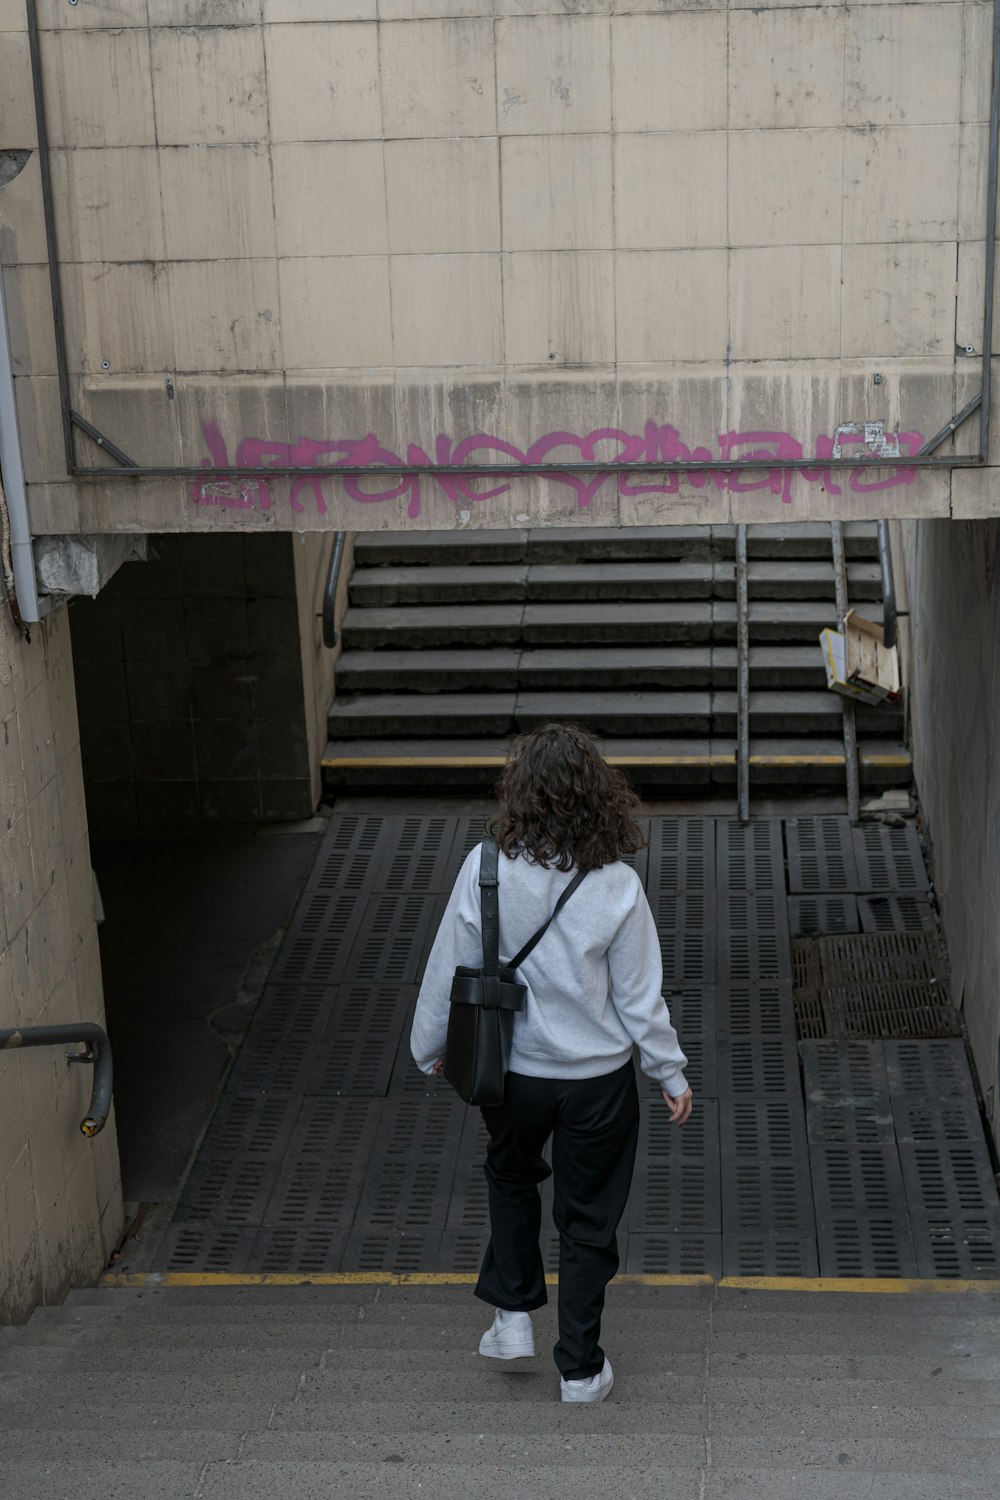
<point x="594" y="1125"/>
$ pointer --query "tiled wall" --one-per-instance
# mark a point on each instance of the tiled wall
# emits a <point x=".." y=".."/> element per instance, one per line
<point x="60" y="1197"/>
<point x="190" y="686"/>
<point x="424" y="219"/>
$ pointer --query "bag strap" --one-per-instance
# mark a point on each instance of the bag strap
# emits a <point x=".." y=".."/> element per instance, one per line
<point x="489" y="864"/>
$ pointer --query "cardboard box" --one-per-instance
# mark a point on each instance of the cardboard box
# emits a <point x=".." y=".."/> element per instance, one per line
<point x="858" y="663"/>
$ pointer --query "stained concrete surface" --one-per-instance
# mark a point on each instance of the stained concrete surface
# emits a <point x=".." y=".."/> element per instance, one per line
<point x="191" y="926"/>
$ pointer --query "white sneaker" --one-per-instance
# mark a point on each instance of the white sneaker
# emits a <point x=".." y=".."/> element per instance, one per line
<point x="593" y="1389"/>
<point x="511" y="1336"/>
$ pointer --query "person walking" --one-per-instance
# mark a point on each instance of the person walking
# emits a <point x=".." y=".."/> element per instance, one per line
<point x="594" y="989"/>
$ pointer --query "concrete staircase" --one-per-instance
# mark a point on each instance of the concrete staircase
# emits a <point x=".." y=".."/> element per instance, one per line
<point x="454" y="641"/>
<point x="722" y="1393"/>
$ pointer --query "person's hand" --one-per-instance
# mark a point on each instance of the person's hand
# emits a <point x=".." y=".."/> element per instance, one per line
<point x="438" y="1065"/>
<point x="680" y="1108"/>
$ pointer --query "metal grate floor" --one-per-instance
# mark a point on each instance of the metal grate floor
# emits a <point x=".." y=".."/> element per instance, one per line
<point x="817" y="1146"/>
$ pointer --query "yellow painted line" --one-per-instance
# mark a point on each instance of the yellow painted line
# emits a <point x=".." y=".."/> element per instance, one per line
<point x="334" y="762"/>
<point x="855" y="1284"/>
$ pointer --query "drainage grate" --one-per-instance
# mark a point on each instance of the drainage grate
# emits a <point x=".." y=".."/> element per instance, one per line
<point x="806" y="972"/>
<point x="250" y="1125"/>
<point x="765" y="1168"/>
<point x="358" y="1049"/>
<point x="692" y="1010"/>
<point x="753" y="940"/>
<point x="412" y="1165"/>
<point x="320" y="937"/>
<point x="407" y="1077"/>
<point x="398" y="1252"/>
<point x="701" y="1069"/>
<point x="419" y="858"/>
<point x="349" y="854"/>
<point x="950" y="1179"/>
<point x="469" y="832"/>
<point x="680" y="1254"/>
<point x="750" y="1009"/>
<point x="875" y="1245"/>
<point x="206" y="1247"/>
<point x="810" y="1017"/>
<point x="750" y="857"/>
<point x="954" y="1118"/>
<point x="639" y="861"/>
<point x="813" y="916"/>
<point x="280" y="1046"/>
<point x="769" y="1255"/>
<point x="228" y="1192"/>
<point x="859" y="1179"/>
<point x="890" y="1010"/>
<point x="896" y="914"/>
<point x="853" y="1125"/>
<point x="837" y="1071"/>
<point x="676" y="1183"/>
<point x="682" y="855"/>
<point x="889" y="859"/>
<point x="757" y="1065"/>
<point x="314" y="1250"/>
<point x="890" y="984"/>
<point x="807" y="981"/>
<point x="820" y="855"/>
<point x="928" y="1069"/>
<point x="319" y="1185"/>
<point x="960" y="1247"/>
<point x="685" y="921"/>
<point x="885" y="956"/>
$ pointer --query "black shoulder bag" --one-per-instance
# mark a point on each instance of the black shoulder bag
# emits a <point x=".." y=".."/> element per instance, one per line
<point x="485" y="1000"/>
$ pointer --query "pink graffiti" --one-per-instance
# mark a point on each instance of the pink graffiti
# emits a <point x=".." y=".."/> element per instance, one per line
<point x="658" y="443"/>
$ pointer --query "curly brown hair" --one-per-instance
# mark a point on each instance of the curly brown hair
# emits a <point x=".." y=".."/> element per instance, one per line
<point x="561" y="803"/>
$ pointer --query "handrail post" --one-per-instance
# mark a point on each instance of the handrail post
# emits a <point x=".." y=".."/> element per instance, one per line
<point x="742" y="677"/>
<point x="330" y="636"/>
<point x="888" y="585"/>
<point x="98" y="1052"/>
<point x="850" y="729"/>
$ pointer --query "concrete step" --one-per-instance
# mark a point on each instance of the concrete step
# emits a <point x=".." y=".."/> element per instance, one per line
<point x="559" y="544"/>
<point x="635" y="622"/>
<point x="799" y="540"/>
<point x="433" y="583"/>
<point x="421" y="714"/>
<point x="784" y="622"/>
<point x="771" y="667"/>
<point x="437" y="548"/>
<point x="495" y="583"/>
<point x="498" y="668"/>
<point x="568" y="544"/>
<point x="774" y="711"/>
<point x="794" y="579"/>
<point x="642" y="712"/>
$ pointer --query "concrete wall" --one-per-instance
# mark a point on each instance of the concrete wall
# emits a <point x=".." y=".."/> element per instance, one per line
<point x="311" y="553"/>
<point x="953" y="574"/>
<point x="191" y="679"/>
<point x="60" y="1196"/>
<point x="450" y="230"/>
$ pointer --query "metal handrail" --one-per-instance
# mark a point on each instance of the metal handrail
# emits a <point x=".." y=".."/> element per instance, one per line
<point x="330" y="636"/>
<point x="98" y="1052"/>
<point x="847" y="704"/>
<point x="742" y="678"/>
<point x="888" y="585"/>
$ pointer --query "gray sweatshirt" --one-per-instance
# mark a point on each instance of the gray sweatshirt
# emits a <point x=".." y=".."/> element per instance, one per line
<point x="594" y="981"/>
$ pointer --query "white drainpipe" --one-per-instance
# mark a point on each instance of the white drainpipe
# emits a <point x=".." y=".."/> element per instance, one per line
<point x="31" y="608"/>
